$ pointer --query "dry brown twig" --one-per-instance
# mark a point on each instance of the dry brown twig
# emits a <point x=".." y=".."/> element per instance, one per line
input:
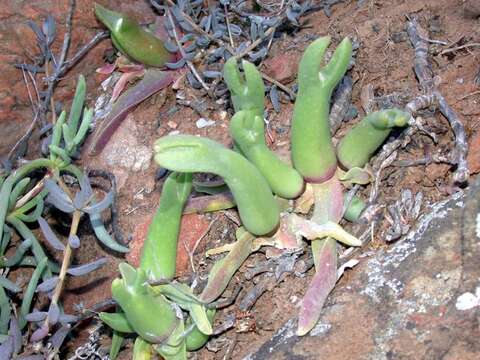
<point x="425" y="75"/>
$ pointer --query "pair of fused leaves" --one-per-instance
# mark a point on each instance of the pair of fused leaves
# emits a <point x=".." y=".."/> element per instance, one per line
<point x="148" y="313"/>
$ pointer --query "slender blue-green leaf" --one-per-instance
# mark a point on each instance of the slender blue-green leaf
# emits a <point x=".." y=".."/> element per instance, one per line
<point x="32" y="203"/>
<point x="57" y="197"/>
<point x="103" y="236"/>
<point x="77" y="104"/>
<point x="30" y="261"/>
<point x="57" y="129"/>
<point x="49" y="235"/>
<point x="61" y="153"/>
<point x="68" y="138"/>
<point x="5" y="311"/>
<point x="28" y="294"/>
<point x="18" y="191"/>
<point x="84" y="126"/>
<point x="34" y="215"/>
<point x="10" y="286"/>
<point x="19" y="253"/>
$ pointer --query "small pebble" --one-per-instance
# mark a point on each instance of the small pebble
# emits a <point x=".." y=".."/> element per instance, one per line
<point x="172" y="125"/>
<point x="201" y="123"/>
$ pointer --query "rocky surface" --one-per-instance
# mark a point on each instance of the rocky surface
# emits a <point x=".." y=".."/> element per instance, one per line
<point x="420" y="299"/>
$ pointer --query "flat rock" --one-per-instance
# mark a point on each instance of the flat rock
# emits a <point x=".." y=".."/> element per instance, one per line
<point x="420" y="299"/>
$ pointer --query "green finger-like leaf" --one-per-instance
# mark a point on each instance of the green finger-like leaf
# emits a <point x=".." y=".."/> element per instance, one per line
<point x="247" y="130"/>
<point x="31" y="203"/>
<point x="257" y="207"/>
<point x="159" y="253"/>
<point x="313" y="153"/>
<point x="37" y="249"/>
<point x="34" y="215"/>
<point x="360" y="143"/>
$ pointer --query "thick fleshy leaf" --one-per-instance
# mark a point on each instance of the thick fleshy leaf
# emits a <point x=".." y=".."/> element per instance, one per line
<point x="50" y="235"/>
<point x="87" y="268"/>
<point x="153" y="81"/>
<point x="321" y="285"/>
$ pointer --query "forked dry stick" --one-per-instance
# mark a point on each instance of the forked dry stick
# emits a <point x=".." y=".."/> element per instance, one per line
<point x="425" y="75"/>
